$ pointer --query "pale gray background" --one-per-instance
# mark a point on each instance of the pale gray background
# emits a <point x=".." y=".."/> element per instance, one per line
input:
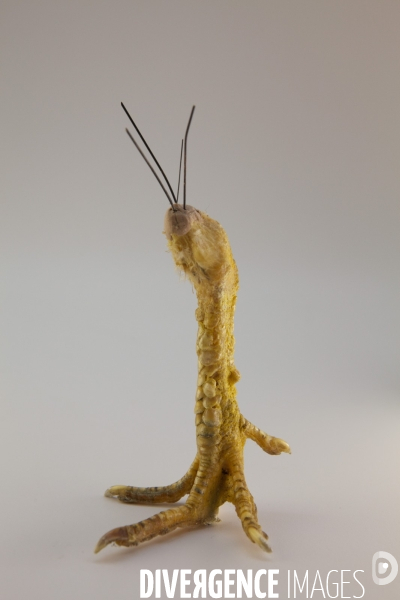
<point x="294" y="148"/>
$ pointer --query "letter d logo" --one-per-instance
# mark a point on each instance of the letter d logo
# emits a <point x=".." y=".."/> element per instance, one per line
<point x="383" y="567"/>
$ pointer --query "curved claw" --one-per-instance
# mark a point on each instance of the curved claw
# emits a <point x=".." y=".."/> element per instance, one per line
<point x="279" y="446"/>
<point x="115" y="491"/>
<point x="259" y="538"/>
<point x="117" y="536"/>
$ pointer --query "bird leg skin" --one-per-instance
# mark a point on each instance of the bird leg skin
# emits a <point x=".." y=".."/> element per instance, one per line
<point x="153" y="495"/>
<point x="200" y="248"/>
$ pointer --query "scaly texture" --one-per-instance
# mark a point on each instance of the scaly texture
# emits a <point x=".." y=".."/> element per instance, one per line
<point x="200" y="248"/>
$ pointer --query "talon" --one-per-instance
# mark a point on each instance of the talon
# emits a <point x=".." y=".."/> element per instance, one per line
<point x="259" y="538"/>
<point x="114" y="491"/>
<point x="280" y="446"/>
<point x="119" y="536"/>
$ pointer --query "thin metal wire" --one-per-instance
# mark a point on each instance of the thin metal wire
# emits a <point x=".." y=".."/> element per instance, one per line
<point x="184" y="162"/>
<point x="179" y="177"/>
<point x="153" y="171"/>
<point x="148" y="148"/>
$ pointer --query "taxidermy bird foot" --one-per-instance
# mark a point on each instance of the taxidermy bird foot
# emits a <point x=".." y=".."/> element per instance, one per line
<point x="200" y="249"/>
<point x="210" y="481"/>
